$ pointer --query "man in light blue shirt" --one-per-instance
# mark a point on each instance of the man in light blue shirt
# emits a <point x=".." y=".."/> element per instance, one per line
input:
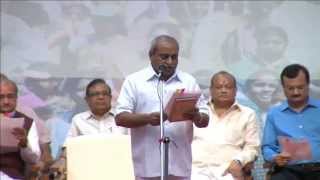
<point x="298" y="118"/>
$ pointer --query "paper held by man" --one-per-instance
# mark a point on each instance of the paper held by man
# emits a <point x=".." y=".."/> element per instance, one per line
<point x="8" y="142"/>
<point x="298" y="149"/>
<point x="180" y="103"/>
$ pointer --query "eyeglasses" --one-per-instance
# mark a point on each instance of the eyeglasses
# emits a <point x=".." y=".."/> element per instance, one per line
<point x="97" y="94"/>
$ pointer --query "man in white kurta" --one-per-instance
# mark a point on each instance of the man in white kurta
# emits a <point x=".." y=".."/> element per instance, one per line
<point x="231" y="140"/>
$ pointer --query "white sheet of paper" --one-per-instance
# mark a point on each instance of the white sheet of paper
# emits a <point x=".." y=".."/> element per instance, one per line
<point x="8" y="142"/>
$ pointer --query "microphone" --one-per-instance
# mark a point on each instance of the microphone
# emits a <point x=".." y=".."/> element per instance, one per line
<point x="161" y="69"/>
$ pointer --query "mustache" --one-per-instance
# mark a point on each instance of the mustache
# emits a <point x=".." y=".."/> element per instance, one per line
<point x="296" y="95"/>
<point x="166" y="69"/>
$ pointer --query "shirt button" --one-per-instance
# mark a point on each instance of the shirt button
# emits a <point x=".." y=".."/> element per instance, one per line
<point x="300" y="126"/>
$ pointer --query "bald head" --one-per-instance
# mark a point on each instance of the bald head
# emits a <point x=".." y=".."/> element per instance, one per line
<point x="225" y="74"/>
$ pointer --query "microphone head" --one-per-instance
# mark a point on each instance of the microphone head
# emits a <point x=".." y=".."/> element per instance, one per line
<point x="161" y="68"/>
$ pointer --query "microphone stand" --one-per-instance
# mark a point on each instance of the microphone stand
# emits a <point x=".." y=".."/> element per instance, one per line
<point x="164" y="141"/>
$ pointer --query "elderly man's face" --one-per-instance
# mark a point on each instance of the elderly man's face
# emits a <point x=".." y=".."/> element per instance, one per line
<point x="166" y="53"/>
<point x="8" y="98"/>
<point x="223" y="89"/>
<point x="99" y="98"/>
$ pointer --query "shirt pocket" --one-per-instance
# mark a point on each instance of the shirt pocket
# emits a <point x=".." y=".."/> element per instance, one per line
<point x="234" y="134"/>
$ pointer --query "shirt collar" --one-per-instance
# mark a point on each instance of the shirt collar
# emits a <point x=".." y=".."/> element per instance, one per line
<point x="9" y="114"/>
<point x="311" y="103"/>
<point x="150" y="74"/>
<point x="234" y="106"/>
<point x="92" y="116"/>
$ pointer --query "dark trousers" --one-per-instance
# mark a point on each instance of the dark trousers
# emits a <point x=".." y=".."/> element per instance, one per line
<point x="297" y="172"/>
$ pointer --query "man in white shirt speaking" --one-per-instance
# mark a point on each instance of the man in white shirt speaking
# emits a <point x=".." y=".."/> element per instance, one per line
<point x="138" y="109"/>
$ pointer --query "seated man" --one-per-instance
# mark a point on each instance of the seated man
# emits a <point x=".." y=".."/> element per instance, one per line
<point x="41" y="168"/>
<point x="97" y="120"/>
<point x="231" y="141"/>
<point x="298" y="119"/>
<point x="13" y="164"/>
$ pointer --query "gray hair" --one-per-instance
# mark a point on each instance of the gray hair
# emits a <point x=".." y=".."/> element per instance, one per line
<point x="5" y="80"/>
<point x="3" y="77"/>
<point x="156" y="40"/>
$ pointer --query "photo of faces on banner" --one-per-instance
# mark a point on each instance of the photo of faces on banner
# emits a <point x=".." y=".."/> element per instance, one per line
<point x="52" y="49"/>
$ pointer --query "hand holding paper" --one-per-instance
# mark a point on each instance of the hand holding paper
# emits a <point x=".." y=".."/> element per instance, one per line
<point x="282" y="159"/>
<point x="193" y="114"/>
<point x="8" y="136"/>
<point x="182" y="106"/>
<point x="298" y="149"/>
<point x="21" y="135"/>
